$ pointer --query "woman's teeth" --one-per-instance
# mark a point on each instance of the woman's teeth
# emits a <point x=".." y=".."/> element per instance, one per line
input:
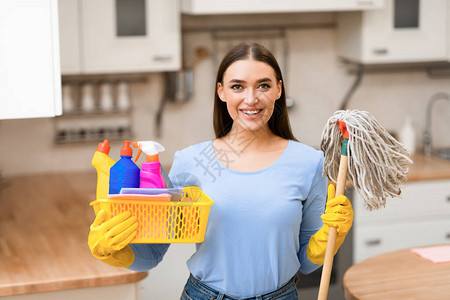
<point x="251" y="112"/>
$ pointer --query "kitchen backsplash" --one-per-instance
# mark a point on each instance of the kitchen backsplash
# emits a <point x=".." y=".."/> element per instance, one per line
<point x="317" y="81"/>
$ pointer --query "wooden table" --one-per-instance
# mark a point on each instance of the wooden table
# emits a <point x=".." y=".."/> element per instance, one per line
<point x="397" y="275"/>
<point x="44" y="227"/>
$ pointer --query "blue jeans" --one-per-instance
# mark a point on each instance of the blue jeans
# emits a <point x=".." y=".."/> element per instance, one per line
<point x="197" y="290"/>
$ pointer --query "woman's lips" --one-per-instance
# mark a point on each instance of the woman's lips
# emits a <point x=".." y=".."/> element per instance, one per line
<point x="251" y="113"/>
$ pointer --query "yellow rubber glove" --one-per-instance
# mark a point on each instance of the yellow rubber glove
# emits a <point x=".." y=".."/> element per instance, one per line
<point x="108" y="240"/>
<point x="339" y="214"/>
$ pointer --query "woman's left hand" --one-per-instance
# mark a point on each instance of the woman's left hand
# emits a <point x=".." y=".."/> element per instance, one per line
<point x="339" y="214"/>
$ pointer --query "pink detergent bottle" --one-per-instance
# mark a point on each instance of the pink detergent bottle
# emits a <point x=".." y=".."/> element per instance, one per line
<point x="151" y="176"/>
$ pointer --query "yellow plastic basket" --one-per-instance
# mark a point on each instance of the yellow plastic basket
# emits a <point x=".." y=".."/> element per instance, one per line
<point x="164" y="222"/>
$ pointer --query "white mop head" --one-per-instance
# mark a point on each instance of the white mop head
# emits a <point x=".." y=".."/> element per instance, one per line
<point x="377" y="163"/>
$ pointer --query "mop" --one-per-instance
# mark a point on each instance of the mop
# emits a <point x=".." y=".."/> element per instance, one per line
<point x="356" y="146"/>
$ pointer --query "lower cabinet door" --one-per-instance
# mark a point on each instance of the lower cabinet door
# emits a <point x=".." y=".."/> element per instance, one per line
<point x="371" y="240"/>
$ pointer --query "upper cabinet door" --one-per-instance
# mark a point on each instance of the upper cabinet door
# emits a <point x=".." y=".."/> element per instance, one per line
<point x="404" y="31"/>
<point x="30" y="76"/>
<point x="130" y="36"/>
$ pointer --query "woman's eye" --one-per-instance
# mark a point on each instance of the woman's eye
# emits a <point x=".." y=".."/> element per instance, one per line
<point x="264" y="86"/>
<point x="236" y="87"/>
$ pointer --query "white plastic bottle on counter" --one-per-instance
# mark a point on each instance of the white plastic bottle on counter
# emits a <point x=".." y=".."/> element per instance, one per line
<point x="87" y="97"/>
<point x="67" y="100"/>
<point x="123" y="96"/>
<point x="407" y="135"/>
<point x="106" y="97"/>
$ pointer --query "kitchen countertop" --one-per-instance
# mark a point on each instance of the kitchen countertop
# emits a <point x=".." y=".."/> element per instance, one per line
<point x="431" y="168"/>
<point x="44" y="226"/>
<point x="425" y="168"/>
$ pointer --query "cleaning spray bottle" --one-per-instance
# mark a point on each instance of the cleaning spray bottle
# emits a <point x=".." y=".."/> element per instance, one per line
<point x="102" y="163"/>
<point x="151" y="176"/>
<point x="124" y="173"/>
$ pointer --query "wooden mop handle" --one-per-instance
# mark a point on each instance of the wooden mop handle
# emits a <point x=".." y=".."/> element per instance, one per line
<point x="331" y="244"/>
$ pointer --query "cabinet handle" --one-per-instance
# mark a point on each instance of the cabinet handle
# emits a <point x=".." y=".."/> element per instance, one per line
<point x="372" y="243"/>
<point x="162" y="57"/>
<point x="380" y="51"/>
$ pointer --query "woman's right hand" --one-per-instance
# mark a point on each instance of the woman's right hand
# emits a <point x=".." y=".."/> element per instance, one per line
<point x="109" y="239"/>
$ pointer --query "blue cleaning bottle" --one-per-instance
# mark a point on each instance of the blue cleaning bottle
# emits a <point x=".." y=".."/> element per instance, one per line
<point x="124" y="173"/>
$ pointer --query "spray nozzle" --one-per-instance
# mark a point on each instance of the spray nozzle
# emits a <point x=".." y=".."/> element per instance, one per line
<point x="150" y="148"/>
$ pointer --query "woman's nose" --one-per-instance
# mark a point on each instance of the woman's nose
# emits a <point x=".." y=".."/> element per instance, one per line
<point x="251" y="97"/>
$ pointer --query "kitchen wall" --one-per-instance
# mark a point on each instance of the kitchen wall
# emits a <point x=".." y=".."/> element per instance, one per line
<point x="317" y="80"/>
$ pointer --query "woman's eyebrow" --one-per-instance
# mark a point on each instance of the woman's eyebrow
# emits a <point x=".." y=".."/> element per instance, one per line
<point x="258" y="81"/>
<point x="264" y="80"/>
<point x="237" y="81"/>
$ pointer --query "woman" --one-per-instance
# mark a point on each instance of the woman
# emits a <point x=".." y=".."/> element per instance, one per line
<point x="268" y="219"/>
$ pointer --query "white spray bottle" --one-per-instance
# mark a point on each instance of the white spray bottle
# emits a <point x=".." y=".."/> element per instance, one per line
<point x="151" y="176"/>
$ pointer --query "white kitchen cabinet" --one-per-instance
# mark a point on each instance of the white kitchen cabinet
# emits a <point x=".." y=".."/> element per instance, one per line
<point x="404" y="31"/>
<point x="30" y="76"/>
<point x="373" y="240"/>
<point x="120" y="36"/>
<point x="211" y="7"/>
<point x="420" y="218"/>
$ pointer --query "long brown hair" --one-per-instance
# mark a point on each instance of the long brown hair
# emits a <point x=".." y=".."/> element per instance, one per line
<point x="279" y="121"/>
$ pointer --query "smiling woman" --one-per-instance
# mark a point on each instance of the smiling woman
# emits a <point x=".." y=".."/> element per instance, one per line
<point x="268" y="191"/>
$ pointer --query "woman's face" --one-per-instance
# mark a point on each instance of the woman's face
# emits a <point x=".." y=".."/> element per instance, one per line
<point x="249" y="89"/>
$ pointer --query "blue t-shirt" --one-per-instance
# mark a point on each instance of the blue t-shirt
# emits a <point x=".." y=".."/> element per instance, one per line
<point x="260" y="223"/>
